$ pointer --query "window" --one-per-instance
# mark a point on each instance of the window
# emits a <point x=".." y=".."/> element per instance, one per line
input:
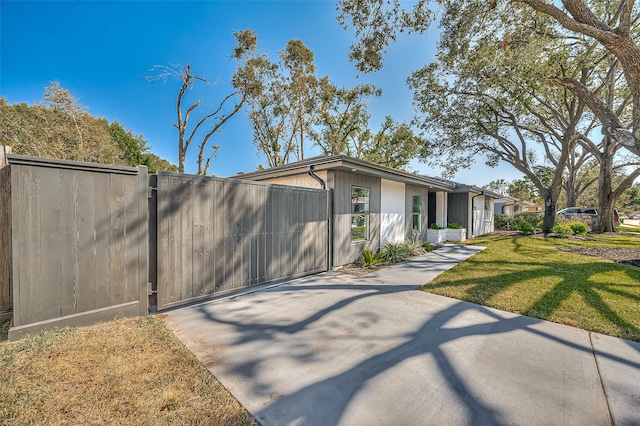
<point x="416" y="213"/>
<point x="487" y="204"/>
<point x="359" y="213"/>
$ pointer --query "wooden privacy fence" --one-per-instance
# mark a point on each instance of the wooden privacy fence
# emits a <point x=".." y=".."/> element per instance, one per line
<point x="80" y="244"/>
<point x="217" y="235"/>
<point x="87" y="242"/>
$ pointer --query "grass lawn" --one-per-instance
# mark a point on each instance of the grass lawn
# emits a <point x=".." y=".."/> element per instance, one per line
<point x="530" y="276"/>
<point x="124" y="372"/>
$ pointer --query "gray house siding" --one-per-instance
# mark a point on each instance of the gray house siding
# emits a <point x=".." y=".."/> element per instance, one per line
<point x="303" y="180"/>
<point x="345" y="251"/>
<point x="458" y="210"/>
<point x="410" y="191"/>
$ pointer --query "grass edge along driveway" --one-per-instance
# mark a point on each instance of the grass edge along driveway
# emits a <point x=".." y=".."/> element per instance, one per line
<point x="530" y="276"/>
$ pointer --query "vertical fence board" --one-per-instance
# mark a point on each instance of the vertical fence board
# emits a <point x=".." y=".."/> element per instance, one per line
<point x="208" y="237"/>
<point x="50" y="243"/>
<point x="6" y="302"/>
<point x="236" y="212"/>
<point x="218" y="230"/>
<point x="163" y="214"/>
<point x="117" y="248"/>
<point x="175" y="241"/>
<point x="130" y="282"/>
<point x="268" y="233"/>
<point x="254" y="232"/>
<point x="186" y="246"/>
<point x="102" y="186"/>
<point x="246" y="213"/>
<point x="198" y="199"/>
<point x="28" y="233"/>
<point x="69" y="246"/>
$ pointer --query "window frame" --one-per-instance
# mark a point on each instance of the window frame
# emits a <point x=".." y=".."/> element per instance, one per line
<point x="364" y="215"/>
<point x="416" y="215"/>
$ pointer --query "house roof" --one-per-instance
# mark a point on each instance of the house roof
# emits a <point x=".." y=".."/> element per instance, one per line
<point x="461" y="187"/>
<point x="346" y="163"/>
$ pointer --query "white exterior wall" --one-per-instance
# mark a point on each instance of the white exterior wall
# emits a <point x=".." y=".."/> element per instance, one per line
<point x="441" y="209"/>
<point x="392" y="214"/>
<point x="482" y="219"/>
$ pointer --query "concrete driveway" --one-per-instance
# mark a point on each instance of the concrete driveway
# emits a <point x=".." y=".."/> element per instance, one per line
<point x="334" y="349"/>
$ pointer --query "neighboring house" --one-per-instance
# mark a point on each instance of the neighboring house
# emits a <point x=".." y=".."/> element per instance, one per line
<point x="372" y="204"/>
<point x="511" y="205"/>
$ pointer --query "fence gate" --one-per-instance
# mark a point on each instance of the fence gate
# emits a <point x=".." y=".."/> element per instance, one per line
<point x="215" y="235"/>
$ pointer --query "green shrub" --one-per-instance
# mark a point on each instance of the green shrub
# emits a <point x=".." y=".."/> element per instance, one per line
<point x="505" y="222"/>
<point x="454" y="226"/>
<point x="525" y="227"/>
<point x="370" y="259"/>
<point x="427" y="247"/>
<point x="533" y="218"/>
<point x="435" y="226"/>
<point x="578" y="228"/>
<point x="414" y="248"/>
<point x="562" y="230"/>
<point x="394" y="252"/>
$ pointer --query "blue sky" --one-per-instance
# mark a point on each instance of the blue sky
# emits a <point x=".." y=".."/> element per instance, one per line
<point x="102" y="51"/>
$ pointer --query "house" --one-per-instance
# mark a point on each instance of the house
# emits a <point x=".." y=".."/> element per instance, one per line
<point x="471" y="207"/>
<point x="371" y="204"/>
<point x="511" y="205"/>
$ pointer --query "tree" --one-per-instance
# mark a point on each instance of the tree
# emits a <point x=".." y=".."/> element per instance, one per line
<point x="59" y="127"/>
<point x="280" y="100"/>
<point x="499" y="186"/>
<point x="522" y="189"/>
<point x="487" y="100"/>
<point x="394" y="145"/>
<point x="613" y="24"/>
<point x="135" y="151"/>
<point x="342" y="119"/>
<point x="214" y="119"/>
<point x="301" y="90"/>
<point x="267" y="108"/>
<point x="630" y="199"/>
<point x="133" y="147"/>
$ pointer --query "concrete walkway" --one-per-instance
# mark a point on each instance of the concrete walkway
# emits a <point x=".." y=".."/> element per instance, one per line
<point x="335" y="349"/>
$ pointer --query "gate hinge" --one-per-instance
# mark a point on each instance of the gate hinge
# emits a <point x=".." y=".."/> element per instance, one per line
<point x="149" y="189"/>
<point x="150" y="291"/>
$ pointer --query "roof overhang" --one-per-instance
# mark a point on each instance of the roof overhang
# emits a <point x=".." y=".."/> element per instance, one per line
<point x="347" y="164"/>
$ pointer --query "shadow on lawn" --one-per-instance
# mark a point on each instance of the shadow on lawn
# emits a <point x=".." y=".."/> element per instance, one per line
<point x="326" y="400"/>
<point x="581" y="279"/>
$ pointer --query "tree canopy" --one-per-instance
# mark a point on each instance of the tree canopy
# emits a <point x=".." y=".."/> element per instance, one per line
<point x="60" y="127"/>
<point x="523" y="82"/>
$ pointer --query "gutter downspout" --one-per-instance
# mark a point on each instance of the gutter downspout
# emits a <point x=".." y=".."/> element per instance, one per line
<point x="507" y="205"/>
<point x="472" y="198"/>
<point x="323" y="185"/>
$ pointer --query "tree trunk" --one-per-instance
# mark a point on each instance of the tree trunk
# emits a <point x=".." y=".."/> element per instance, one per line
<point x="549" y="219"/>
<point x="570" y="190"/>
<point x="181" y="158"/>
<point x="606" y="199"/>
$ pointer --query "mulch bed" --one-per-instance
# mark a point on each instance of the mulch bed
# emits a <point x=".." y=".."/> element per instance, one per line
<point x="629" y="256"/>
<point x="356" y="269"/>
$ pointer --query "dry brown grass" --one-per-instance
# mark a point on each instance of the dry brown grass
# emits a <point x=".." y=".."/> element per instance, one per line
<point x="131" y="371"/>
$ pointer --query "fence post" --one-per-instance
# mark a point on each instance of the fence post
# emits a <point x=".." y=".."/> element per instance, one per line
<point x="6" y="297"/>
<point x="329" y="229"/>
<point x="143" y="242"/>
<point x="6" y="150"/>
